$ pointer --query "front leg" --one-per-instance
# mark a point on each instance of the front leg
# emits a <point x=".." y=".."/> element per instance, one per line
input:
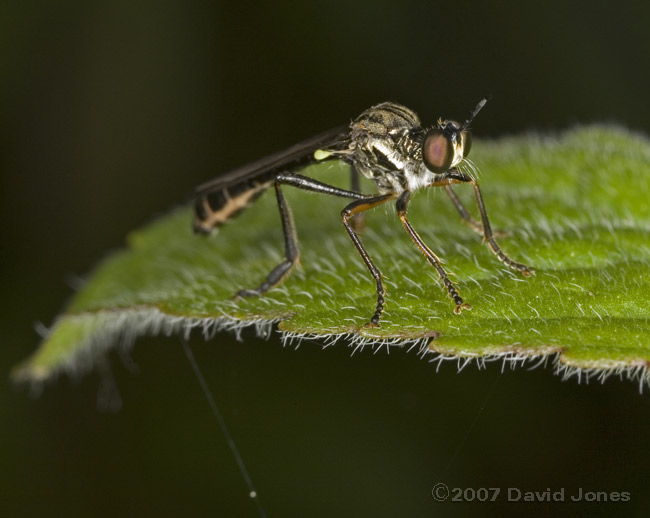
<point x="476" y="226"/>
<point x="401" y="206"/>
<point x="464" y="213"/>
<point x="487" y="236"/>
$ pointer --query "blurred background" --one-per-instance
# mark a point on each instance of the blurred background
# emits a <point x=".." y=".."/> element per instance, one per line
<point x="110" y="114"/>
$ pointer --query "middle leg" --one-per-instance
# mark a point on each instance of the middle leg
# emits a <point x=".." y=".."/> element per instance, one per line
<point x="347" y="214"/>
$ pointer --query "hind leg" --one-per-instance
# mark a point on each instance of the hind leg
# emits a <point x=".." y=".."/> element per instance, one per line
<point x="291" y="252"/>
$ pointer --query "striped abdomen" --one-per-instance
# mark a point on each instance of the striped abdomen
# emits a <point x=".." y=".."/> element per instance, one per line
<point x="221" y="199"/>
<point x="214" y="208"/>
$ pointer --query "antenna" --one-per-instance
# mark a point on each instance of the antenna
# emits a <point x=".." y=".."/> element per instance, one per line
<point x="474" y="112"/>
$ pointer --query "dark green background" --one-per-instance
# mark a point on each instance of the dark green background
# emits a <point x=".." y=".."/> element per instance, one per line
<point x="113" y="111"/>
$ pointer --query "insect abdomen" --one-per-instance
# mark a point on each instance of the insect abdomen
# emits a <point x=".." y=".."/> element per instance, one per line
<point x="213" y="209"/>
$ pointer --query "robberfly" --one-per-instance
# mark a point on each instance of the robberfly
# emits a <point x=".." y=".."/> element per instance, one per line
<point x="387" y="144"/>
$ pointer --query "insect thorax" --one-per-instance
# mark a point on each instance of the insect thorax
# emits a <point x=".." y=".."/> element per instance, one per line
<point x="386" y="146"/>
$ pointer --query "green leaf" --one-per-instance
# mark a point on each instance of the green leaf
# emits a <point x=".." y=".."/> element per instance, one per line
<point x="575" y="207"/>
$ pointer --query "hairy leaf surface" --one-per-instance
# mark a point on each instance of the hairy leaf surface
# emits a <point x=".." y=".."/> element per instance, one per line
<point x="574" y="206"/>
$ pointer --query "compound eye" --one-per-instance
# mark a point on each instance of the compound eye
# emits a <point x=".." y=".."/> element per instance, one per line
<point x="466" y="141"/>
<point x="437" y="151"/>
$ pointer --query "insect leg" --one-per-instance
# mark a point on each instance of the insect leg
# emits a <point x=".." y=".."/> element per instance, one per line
<point x="309" y="184"/>
<point x="291" y="251"/>
<point x="467" y="217"/>
<point x="401" y="205"/>
<point x="355" y="185"/>
<point x="347" y="214"/>
<point x="487" y="235"/>
<point x="464" y="213"/>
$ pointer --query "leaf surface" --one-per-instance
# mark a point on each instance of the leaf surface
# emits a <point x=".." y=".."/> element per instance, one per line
<point x="574" y="206"/>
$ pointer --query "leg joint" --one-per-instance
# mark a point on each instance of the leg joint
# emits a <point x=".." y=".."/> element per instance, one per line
<point x="402" y="203"/>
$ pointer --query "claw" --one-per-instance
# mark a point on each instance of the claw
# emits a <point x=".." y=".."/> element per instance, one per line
<point x="459" y="308"/>
<point x="527" y="272"/>
<point x="245" y="293"/>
